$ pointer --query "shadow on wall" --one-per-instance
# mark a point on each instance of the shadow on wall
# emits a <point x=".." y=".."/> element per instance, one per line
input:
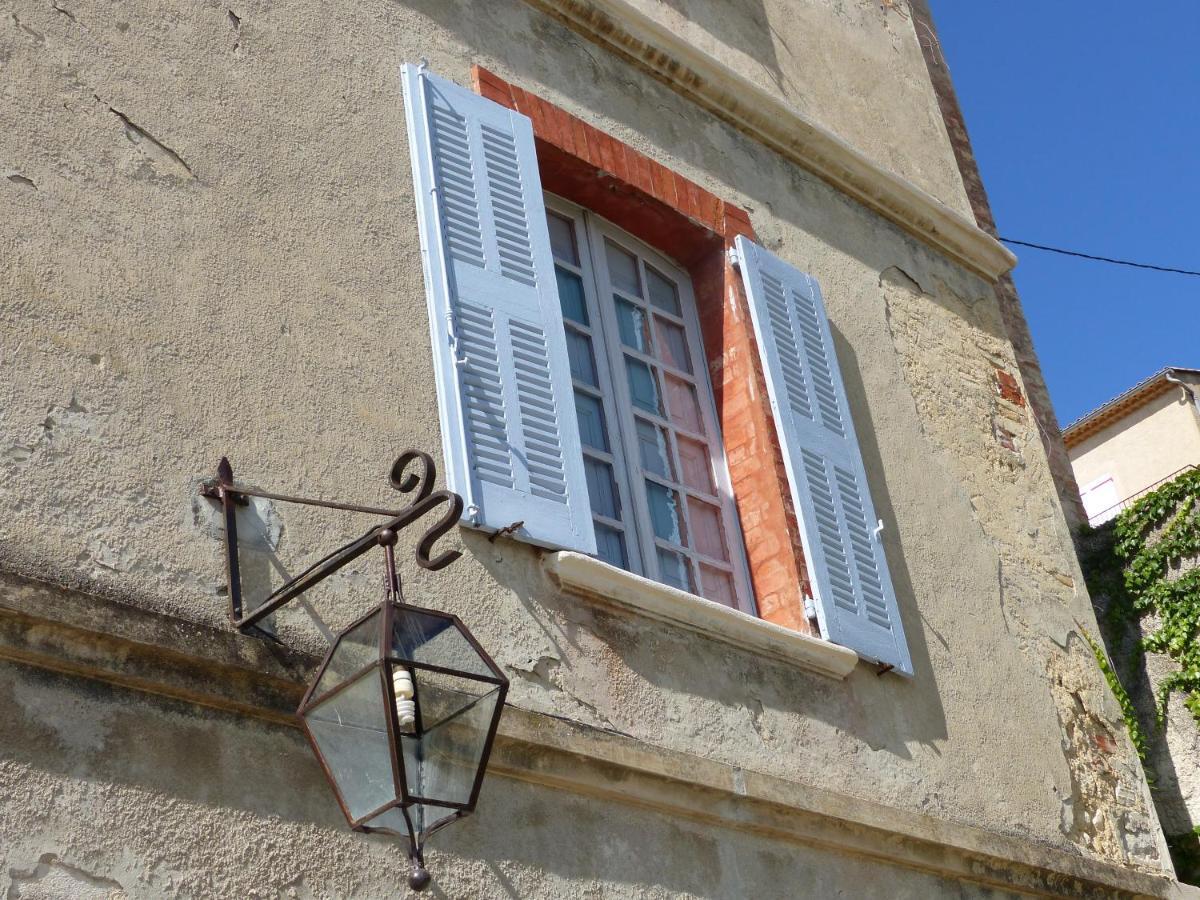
<point x="180" y="792"/>
<point x="1122" y="638"/>
<point x="673" y="687"/>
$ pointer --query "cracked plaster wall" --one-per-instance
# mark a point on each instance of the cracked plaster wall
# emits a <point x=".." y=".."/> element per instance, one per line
<point x="173" y="801"/>
<point x="229" y="264"/>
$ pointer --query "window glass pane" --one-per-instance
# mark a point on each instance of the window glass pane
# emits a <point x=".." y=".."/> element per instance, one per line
<point x="717" y="586"/>
<point x="685" y="407"/>
<point x="697" y="468"/>
<point x="579" y="352"/>
<point x="635" y="330"/>
<point x="562" y="238"/>
<point x="662" y="292"/>
<point x="601" y="488"/>
<point x="672" y="344"/>
<point x="643" y="386"/>
<point x="666" y="513"/>
<point x="674" y="570"/>
<point x="622" y="269"/>
<point x="570" y="296"/>
<point x="708" y="534"/>
<point x="653" y="449"/>
<point x="590" y="412"/>
<point x="610" y="546"/>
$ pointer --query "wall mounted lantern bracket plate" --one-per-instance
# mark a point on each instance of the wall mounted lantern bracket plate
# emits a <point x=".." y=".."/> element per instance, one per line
<point x="232" y="495"/>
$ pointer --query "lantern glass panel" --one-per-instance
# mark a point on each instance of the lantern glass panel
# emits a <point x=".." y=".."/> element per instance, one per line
<point x="421" y="637"/>
<point x="356" y="648"/>
<point x="441" y="762"/>
<point x="350" y="732"/>
<point x="390" y="820"/>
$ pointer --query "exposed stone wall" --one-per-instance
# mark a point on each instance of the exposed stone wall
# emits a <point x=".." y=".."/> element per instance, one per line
<point x="951" y="347"/>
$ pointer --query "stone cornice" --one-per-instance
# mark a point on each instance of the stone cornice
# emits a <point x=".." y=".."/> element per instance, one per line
<point x="619" y="27"/>
<point x="93" y="637"/>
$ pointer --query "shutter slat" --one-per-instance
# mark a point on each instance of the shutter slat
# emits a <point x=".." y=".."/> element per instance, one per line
<point x="509" y="431"/>
<point x="855" y="599"/>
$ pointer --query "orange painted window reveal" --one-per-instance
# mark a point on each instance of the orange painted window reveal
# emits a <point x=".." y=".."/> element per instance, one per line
<point x="695" y="227"/>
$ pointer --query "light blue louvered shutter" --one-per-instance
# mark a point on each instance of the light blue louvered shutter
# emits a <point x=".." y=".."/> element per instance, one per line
<point x="509" y="433"/>
<point x="856" y="603"/>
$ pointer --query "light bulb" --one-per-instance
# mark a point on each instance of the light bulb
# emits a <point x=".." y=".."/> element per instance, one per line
<point x="402" y="687"/>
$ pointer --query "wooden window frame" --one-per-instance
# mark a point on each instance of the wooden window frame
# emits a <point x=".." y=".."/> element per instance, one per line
<point x="603" y="392"/>
<point x="590" y="237"/>
<point x="687" y="223"/>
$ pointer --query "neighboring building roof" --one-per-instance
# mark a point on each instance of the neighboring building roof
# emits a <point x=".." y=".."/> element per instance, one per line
<point x="1123" y="404"/>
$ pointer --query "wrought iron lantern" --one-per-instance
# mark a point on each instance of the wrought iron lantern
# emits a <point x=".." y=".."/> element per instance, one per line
<point x="403" y="711"/>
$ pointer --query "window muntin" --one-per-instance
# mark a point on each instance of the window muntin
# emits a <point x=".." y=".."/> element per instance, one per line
<point x="657" y="480"/>
<point x="604" y="468"/>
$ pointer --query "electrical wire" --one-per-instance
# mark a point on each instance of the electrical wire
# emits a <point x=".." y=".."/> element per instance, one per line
<point x="1106" y="259"/>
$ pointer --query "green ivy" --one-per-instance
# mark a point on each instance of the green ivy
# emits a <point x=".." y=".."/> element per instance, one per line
<point x="1128" y="711"/>
<point x="1153" y="537"/>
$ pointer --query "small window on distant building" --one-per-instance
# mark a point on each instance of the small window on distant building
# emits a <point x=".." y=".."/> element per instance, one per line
<point x="1100" y="500"/>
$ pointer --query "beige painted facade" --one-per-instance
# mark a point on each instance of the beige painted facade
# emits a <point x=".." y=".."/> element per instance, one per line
<point x="1136" y="448"/>
<point x="209" y="247"/>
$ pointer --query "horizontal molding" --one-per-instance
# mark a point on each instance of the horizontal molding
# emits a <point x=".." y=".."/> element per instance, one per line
<point x="76" y="633"/>
<point x="94" y="637"/>
<point x="619" y="27"/>
<point x="582" y="574"/>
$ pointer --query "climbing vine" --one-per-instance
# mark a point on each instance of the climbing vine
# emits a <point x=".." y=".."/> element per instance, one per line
<point x="1157" y="540"/>
<point x="1128" y="710"/>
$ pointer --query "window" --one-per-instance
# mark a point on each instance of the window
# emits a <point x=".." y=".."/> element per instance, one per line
<point x="655" y="468"/>
<point x="572" y="390"/>
<point x="1100" y="500"/>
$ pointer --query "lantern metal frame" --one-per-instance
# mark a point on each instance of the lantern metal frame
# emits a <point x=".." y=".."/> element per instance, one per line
<point x="232" y="495"/>
<point x="385" y="661"/>
<point x="425" y="500"/>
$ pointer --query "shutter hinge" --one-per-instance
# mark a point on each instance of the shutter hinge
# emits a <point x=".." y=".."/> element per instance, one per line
<point x="810" y="608"/>
<point x="506" y="530"/>
<point x="452" y="334"/>
<point x="734" y="259"/>
<point x="473" y="514"/>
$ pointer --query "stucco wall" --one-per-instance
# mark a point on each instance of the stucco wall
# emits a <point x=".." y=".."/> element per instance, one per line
<point x="1149" y="444"/>
<point x="855" y="68"/>
<point x="212" y="249"/>
<point x="109" y="795"/>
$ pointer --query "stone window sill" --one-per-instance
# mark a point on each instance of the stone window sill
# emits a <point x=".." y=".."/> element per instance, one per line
<point x="581" y="574"/>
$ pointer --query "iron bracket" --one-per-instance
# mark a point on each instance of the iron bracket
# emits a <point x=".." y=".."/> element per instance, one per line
<point x="230" y="495"/>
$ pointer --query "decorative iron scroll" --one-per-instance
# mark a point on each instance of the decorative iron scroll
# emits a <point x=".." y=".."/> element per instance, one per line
<point x="413" y="472"/>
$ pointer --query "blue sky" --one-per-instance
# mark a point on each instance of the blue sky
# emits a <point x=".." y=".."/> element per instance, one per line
<point x="1085" y="120"/>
